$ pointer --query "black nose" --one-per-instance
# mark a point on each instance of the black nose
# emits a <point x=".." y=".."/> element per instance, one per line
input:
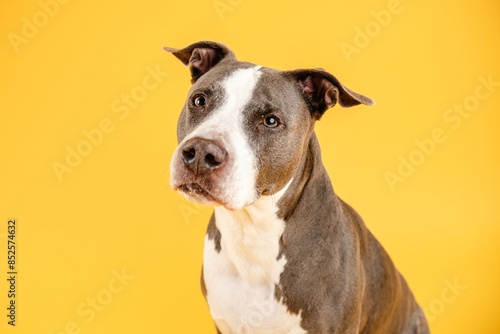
<point x="202" y="156"/>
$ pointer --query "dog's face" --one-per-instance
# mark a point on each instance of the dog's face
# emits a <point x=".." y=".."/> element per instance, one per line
<point x="244" y="128"/>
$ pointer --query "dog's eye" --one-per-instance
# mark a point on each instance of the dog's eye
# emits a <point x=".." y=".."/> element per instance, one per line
<point x="199" y="100"/>
<point x="271" y="121"/>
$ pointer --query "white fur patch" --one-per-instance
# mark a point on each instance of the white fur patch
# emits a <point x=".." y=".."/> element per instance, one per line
<point x="226" y="124"/>
<point x="241" y="278"/>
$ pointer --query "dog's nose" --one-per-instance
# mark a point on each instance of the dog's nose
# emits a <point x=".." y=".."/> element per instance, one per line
<point x="202" y="156"/>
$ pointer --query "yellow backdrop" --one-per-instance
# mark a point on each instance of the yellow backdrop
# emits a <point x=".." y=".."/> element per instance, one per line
<point x="89" y="103"/>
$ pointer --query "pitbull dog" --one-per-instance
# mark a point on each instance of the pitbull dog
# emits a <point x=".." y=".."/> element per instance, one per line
<point x="282" y="253"/>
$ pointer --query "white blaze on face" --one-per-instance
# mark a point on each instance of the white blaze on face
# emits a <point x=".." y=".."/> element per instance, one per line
<point x="225" y="124"/>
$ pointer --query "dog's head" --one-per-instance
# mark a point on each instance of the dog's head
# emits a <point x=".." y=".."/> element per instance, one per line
<point x="244" y="128"/>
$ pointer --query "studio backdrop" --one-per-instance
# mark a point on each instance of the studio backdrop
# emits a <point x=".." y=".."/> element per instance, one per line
<point x="92" y="238"/>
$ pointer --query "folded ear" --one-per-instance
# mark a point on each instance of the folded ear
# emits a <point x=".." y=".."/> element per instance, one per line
<point x="321" y="91"/>
<point x="201" y="56"/>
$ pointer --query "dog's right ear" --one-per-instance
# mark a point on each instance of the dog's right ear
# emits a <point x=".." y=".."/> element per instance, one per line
<point x="201" y="56"/>
<point x="321" y="91"/>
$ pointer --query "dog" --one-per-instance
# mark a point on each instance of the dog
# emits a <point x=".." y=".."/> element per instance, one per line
<point x="282" y="253"/>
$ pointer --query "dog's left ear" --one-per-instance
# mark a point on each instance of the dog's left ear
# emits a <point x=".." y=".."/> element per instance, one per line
<point x="321" y="91"/>
<point x="201" y="56"/>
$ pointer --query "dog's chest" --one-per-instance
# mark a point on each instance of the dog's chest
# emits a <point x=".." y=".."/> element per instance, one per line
<point x="241" y="277"/>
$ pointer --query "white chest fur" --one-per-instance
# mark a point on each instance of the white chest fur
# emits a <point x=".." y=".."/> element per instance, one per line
<point x="241" y="278"/>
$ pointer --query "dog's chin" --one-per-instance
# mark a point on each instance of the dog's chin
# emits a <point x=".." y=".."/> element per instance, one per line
<point x="197" y="194"/>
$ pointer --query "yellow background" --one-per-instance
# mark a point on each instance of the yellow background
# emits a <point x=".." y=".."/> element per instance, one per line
<point x="114" y="211"/>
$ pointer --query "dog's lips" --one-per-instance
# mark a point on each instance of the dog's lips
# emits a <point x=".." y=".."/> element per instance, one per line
<point x="193" y="188"/>
<point x="197" y="191"/>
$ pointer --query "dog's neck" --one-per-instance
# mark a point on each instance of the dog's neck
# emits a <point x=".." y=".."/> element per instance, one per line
<point x="250" y="238"/>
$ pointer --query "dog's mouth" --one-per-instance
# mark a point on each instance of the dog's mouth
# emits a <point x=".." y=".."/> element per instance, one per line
<point x="197" y="192"/>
